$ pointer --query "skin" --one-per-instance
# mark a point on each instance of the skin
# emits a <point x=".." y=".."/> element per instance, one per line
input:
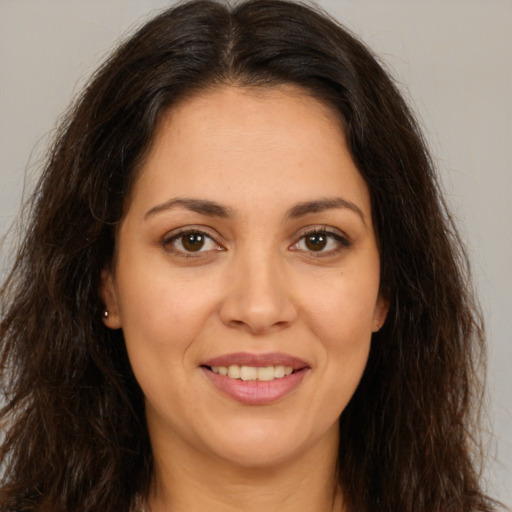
<point x="255" y="286"/>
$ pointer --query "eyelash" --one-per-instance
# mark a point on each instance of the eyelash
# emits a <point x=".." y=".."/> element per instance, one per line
<point x="341" y="240"/>
<point x="168" y="241"/>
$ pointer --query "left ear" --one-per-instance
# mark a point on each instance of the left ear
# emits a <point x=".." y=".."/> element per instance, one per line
<point x="380" y="313"/>
<point x="108" y="294"/>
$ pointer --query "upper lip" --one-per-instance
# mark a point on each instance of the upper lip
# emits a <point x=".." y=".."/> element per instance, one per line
<point x="257" y="360"/>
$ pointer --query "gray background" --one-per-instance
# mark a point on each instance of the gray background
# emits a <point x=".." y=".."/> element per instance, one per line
<point x="453" y="59"/>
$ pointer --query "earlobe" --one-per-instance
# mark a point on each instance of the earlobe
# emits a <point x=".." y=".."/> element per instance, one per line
<point x="380" y="314"/>
<point x="110" y="315"/>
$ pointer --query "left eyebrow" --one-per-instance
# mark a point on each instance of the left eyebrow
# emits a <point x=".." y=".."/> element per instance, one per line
<point x="320" y="205"/>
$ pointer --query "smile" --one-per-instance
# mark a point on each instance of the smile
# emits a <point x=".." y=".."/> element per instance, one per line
<point x="261" y="373"/>
<point x="255" y="379"/>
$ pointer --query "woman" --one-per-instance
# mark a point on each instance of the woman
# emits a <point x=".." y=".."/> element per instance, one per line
<point x="240" y="287"/>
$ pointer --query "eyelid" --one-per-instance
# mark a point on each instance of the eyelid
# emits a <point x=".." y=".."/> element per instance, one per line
<point x="323" y="228"/>
<point x="175" y="234"/>
<point x="340" y="237"/>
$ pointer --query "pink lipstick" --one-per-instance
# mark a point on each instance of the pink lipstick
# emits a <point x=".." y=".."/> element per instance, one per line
<point x="255" y="379"/>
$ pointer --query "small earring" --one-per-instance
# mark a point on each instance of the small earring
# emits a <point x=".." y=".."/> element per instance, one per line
<point x="105" y="314"/>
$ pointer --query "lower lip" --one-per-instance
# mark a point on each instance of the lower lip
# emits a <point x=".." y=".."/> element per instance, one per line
<point x="255" y="392"/>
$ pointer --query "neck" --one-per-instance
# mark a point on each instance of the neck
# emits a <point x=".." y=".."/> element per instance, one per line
<point x="192" y="482"/>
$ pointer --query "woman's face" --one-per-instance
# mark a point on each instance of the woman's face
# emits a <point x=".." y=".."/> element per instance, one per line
<point x="247" y="249"/>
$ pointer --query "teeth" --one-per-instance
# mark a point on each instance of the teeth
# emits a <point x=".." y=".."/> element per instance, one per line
<point x="248" y="373"/>
<point x="267" y="373"/>
<point x="234" y="371"/>
<point x="264" y="374"/>
<point x="280" y="372"/>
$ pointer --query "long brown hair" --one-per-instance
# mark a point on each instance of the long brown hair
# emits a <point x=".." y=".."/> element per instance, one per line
<point x="75" y="434"/>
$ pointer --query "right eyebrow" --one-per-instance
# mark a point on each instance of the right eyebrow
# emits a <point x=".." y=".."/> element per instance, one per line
<point x="202" y="206"/>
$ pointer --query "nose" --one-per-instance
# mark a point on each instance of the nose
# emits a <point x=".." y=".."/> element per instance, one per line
<point x="258" y="298"/>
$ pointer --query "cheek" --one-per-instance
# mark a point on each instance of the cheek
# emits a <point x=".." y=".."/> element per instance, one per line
<point x="162" y="314"/>
<point x="160" y="325"/>
<point x="344" y="327"/>
<point x="342" y="310"/>
<point x="341" y="317"/>
<point x="161" y="302"/>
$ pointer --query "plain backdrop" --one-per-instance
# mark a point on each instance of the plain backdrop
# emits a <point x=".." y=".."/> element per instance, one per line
<point x="452" y="59"/>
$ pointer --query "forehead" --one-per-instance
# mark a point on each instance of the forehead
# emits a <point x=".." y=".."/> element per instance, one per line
<point x="236" y="143"/>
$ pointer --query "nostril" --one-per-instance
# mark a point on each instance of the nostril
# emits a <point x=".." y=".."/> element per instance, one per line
<point x="256" y="311"/>
<point x="236" y="323"/>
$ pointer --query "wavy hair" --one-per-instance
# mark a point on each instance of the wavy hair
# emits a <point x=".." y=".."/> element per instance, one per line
<point x="73" y="414"/>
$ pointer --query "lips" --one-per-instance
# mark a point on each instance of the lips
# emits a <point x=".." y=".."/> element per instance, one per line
<point x="255" y="379"/>
<point x="257" y="360"/>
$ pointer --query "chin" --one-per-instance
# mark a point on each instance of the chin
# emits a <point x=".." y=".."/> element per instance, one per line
<point x="267" y="444"/>
<point x="262" y="455"/>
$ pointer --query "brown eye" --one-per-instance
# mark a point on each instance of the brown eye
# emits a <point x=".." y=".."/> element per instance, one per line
<point x="316" y="241"/>
<point x="189" y="242"/>
<point x="321" y="242"/>
<point x="192" y="242"/>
